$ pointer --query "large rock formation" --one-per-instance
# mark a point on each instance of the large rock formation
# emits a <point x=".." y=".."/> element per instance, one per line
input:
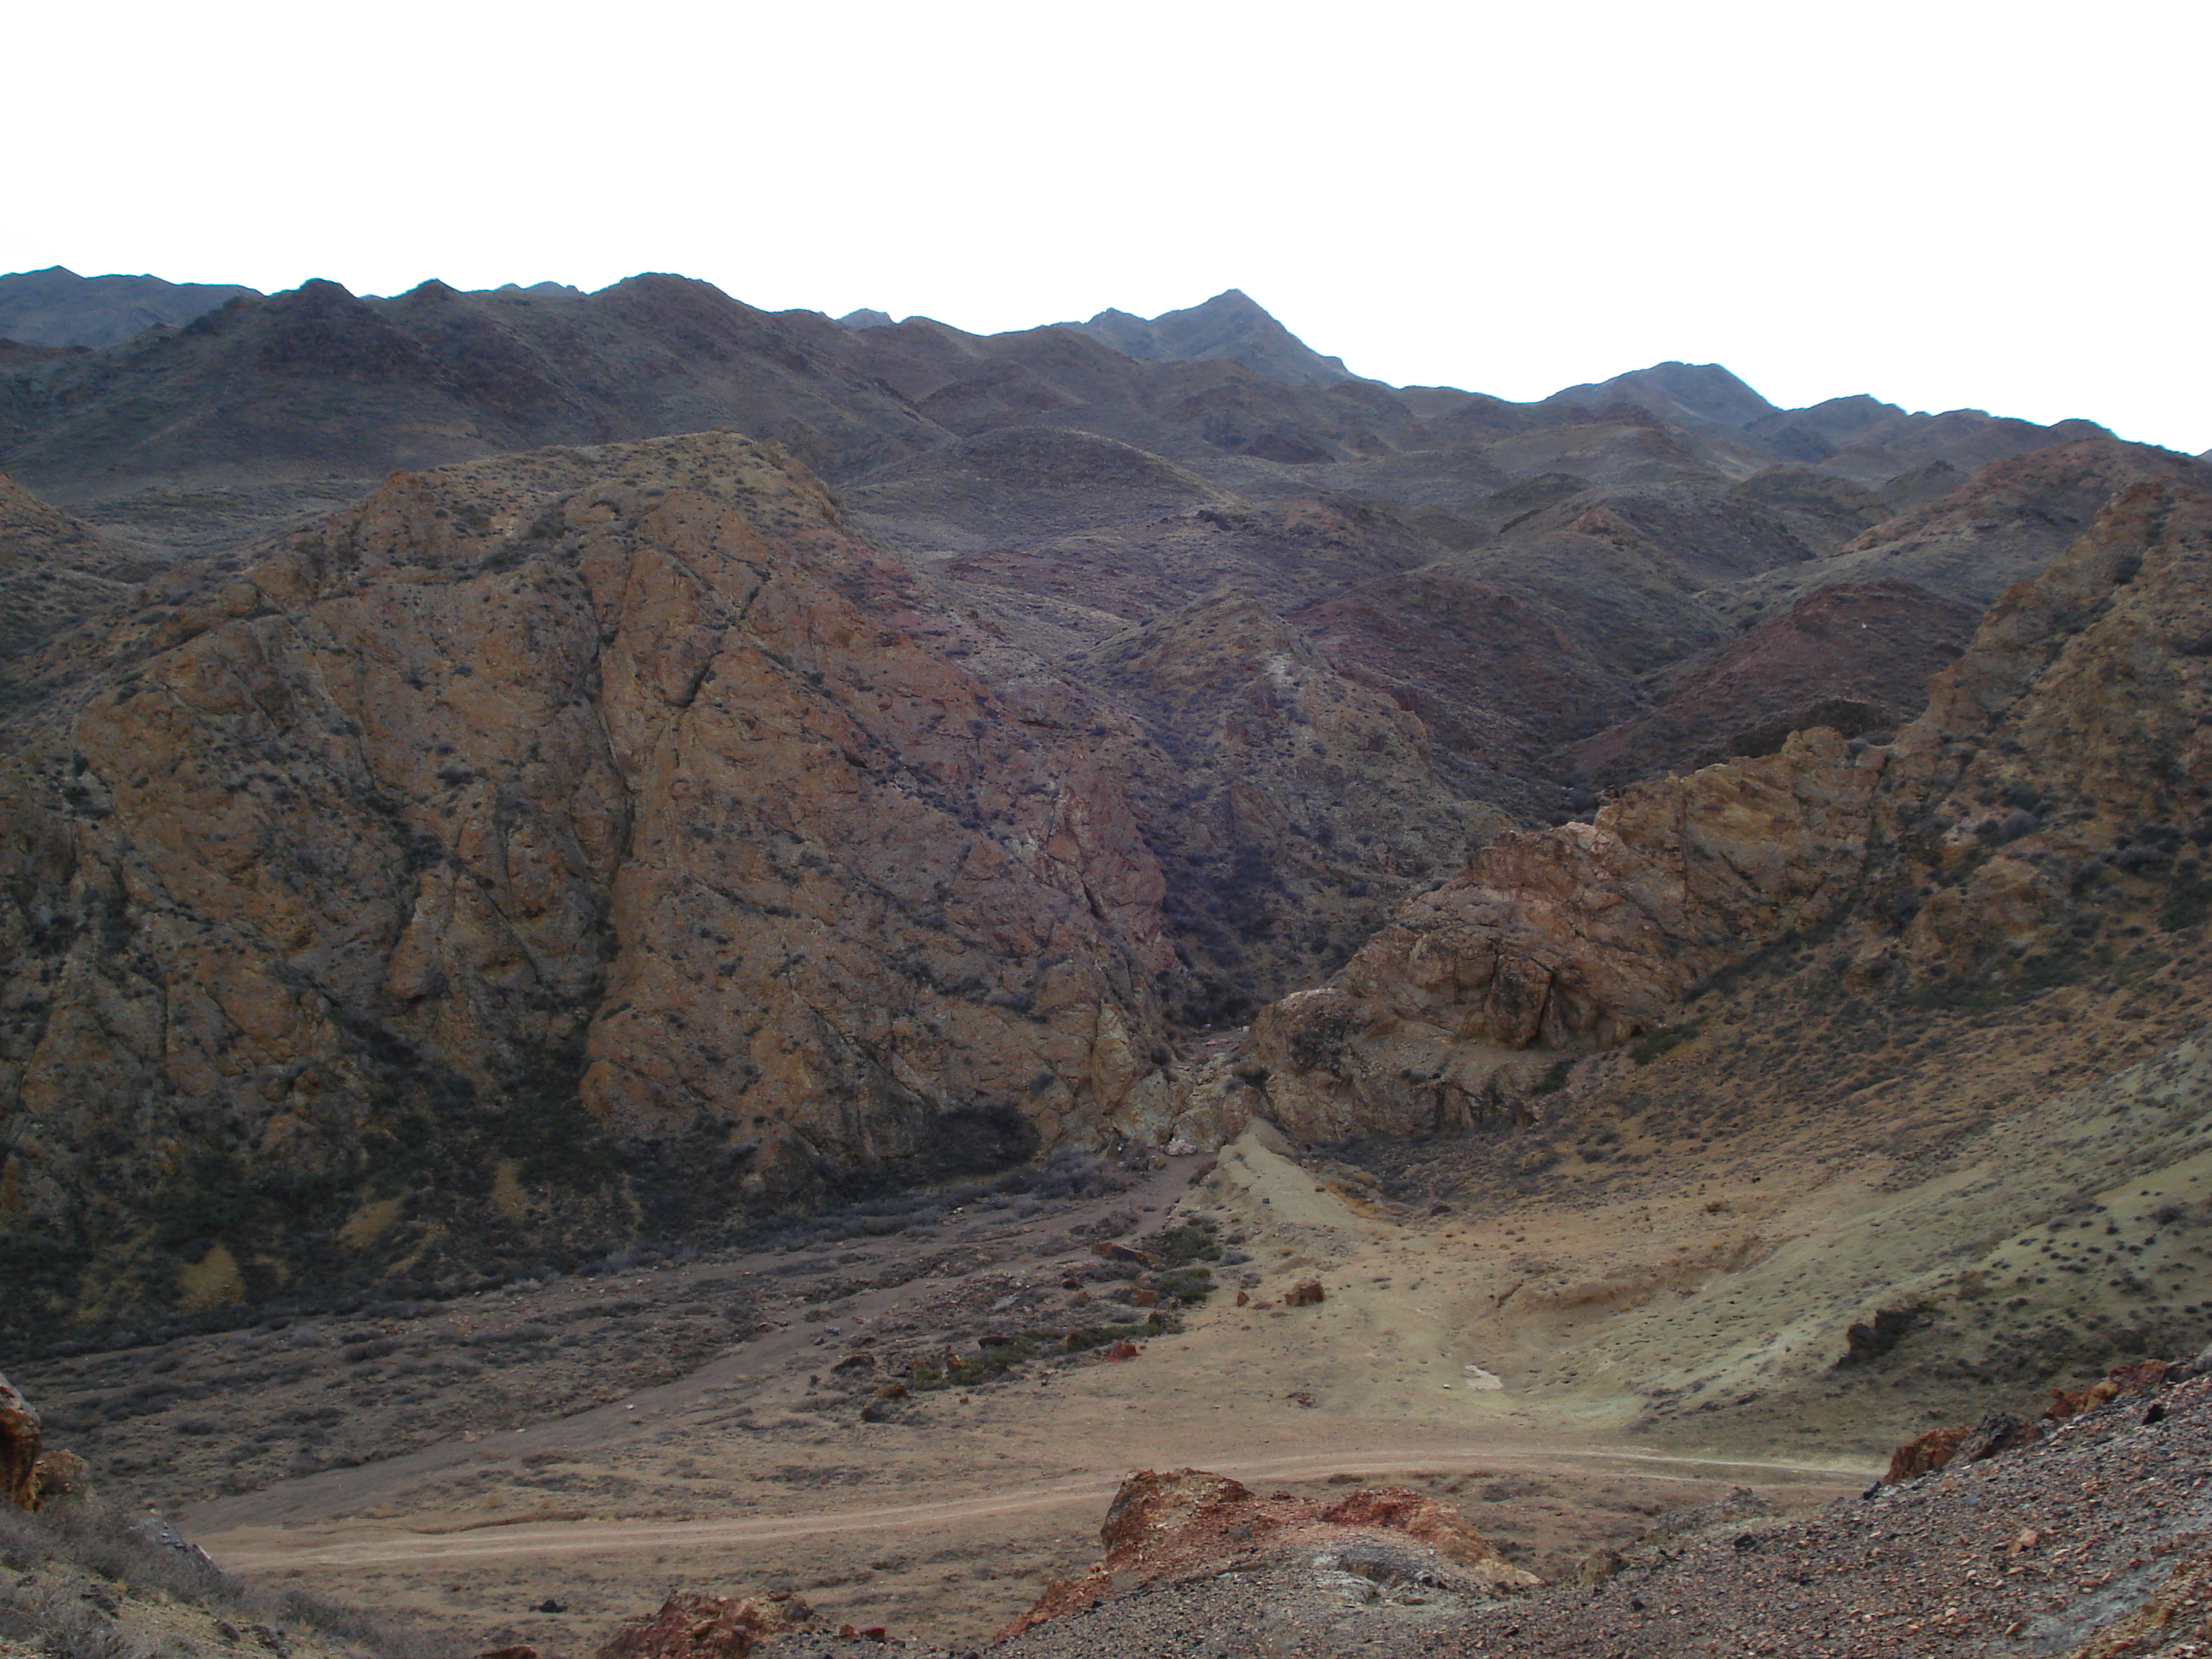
<point x="2054" y="792"/>
<point x="1574" y="937"/>
<point x="594" y="841"/>
<point x="691" y="1626"/>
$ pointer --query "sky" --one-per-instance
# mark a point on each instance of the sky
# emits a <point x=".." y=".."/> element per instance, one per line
<point x="1947" y="204"/>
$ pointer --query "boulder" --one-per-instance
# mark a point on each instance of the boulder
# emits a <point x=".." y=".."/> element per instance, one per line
<point x="20" y="1445"/>
<point x="1924" y="1454"/>
<point x="690" y="1625"/>
<point x="60" y="1474"/>
<point x="1997" y="1432"/>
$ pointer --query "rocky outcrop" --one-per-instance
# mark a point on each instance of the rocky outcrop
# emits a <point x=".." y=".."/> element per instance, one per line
<point x="690" y="1626"/>
<point x="1579" y="937"/>
<point x="593" y="841"/>
<point x="1187" y="1523"/>
<point x="19" y="1446"/>
<point x="2062" y="750"/>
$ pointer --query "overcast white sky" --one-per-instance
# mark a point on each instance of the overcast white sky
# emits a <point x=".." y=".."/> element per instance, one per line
<point x="1948" y="202"/>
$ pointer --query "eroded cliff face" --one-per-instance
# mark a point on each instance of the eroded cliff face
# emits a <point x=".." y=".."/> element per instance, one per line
<point x="1291" y="806"/>
<point x="548" y="848"/>
<point x="1569" y="938"/>
<point x="2049" y="802"/>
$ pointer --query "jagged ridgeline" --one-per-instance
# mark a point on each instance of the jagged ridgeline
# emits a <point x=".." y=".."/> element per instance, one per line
<point x="544" y="852"/>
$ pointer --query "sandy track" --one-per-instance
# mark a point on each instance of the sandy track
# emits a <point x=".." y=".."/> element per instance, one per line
<point x="256" y="1550"/>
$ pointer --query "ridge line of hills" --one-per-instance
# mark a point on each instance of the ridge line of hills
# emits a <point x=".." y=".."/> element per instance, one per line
<point x="56" y="310"/>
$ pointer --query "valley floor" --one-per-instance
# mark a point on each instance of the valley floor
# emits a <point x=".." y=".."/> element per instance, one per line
<point x="1563" y="1361"/>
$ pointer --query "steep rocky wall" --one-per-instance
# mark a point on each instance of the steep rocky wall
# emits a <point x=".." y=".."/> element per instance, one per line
<point x="1291" y="807"/>
<point x="2052" y="797"/>
<point x="543" y="849"/>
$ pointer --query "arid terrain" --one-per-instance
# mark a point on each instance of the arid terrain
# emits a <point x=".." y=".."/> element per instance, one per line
<point x="652" y="948"/>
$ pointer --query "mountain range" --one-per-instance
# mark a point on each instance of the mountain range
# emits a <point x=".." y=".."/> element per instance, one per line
<point x="542" y="767"/>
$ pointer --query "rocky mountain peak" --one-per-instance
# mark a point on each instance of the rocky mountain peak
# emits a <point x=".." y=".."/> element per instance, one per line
<point x="1230" y="325"/>
<point x="1704" y="393"/>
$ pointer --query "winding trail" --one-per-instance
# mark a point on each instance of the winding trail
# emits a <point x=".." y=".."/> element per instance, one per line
<point x="260" y="1549"/>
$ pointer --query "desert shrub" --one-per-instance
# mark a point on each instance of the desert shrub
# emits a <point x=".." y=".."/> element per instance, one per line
<point x="1192" y="1242"/>
<point x="2188" y="905"/>
<point x="1192" y="1285"/>
<point x="1087" y="1337"/>
<point x="1652" y="1044"/>
<point x="1554" y="1078"/>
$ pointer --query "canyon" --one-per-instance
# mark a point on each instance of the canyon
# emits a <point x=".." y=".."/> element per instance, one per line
<point x="501" y="790"/>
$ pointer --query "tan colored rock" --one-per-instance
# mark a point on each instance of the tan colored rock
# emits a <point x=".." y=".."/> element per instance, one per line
<point x="1579" y="937"/>
<point x="2066" y="745"/>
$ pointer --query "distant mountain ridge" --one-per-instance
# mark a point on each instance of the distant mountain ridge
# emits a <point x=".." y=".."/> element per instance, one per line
<point x="57" y="307"/>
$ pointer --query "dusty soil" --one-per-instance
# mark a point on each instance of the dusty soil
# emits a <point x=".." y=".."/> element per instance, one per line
<point x="2093" y="1545"/>
<point x="596" y="1475"/>
<point x="1564" y="1329"/>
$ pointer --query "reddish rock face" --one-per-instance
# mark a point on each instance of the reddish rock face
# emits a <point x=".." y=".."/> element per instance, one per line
<point x="1189" y="1521"/>
<point x="1855" y="658"/>
<point x="694" y="1626"/>
<point x="1924" y="1453"/>
<point x="1579" y="937"/>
